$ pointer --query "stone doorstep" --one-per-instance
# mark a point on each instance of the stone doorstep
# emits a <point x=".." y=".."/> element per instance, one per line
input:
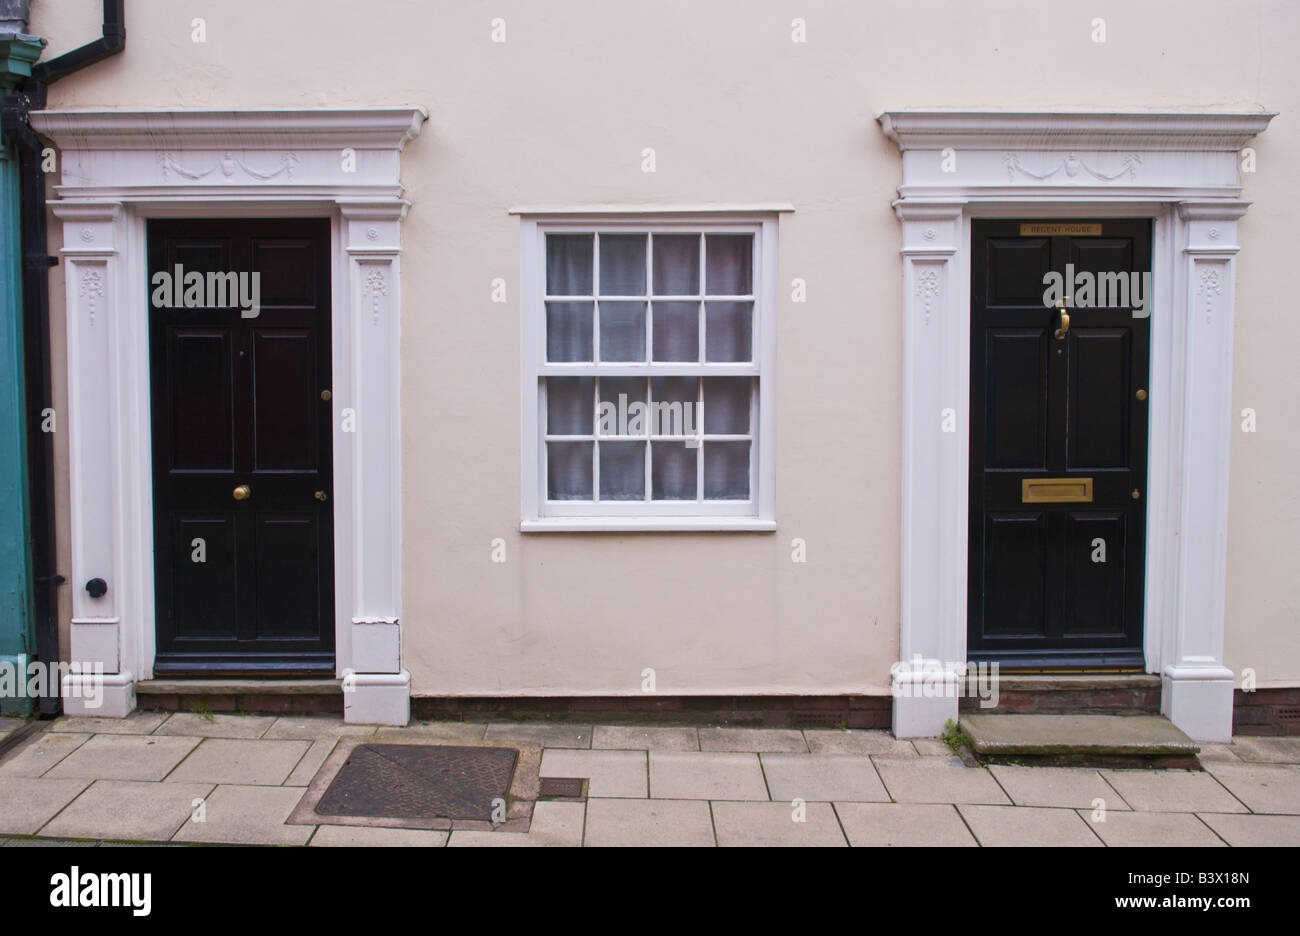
<point x="243" y="687"/>
<point x="1066" y="735"/>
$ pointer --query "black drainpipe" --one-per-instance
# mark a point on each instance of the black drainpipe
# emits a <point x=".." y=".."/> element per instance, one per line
<point x="16" y="126"/>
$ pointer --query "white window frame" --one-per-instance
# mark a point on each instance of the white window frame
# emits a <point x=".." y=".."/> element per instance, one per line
<point x="542" y="515"/>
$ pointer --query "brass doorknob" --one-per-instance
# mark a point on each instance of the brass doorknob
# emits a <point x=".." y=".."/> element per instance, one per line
<point x="243" y="492"/>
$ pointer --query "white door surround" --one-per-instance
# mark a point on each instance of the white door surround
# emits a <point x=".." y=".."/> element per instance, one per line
<point x="1179" y="169"/>
<point x="119" y="168"/>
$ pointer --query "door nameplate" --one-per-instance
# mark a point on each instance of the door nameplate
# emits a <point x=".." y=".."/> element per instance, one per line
<point x="1040" y="229"/>
<point x="1055" y="490"/>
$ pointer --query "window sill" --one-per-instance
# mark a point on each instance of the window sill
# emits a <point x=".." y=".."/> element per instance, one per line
<point x="647" y="525"/>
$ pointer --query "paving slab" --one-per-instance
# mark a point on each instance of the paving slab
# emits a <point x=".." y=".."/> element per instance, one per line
<point x="1153" y="829"/>
<point x="1268" y="750"/>
<point x="873" y="825"/>
<point x="760" y="740"/>
<point x="9" y="725"/>
<point x="1027" y="827"/>
<point x="370" y="836"/>
<point x="135" y="723"/>
<point x="1172" y="791"/>
<point x="247" y="815"/>
<point x="1101" y="735"/>
<point x="1264" y="788"/>
<point x="437" y="732"/>
<point x="929" y="747"/>
<point x="233" y="761"/>
<point x="1068" y="787"/>
<point x="314" y="727"/>
<point x="1218" y="752"/>
<point x="39" y="753"/>
<point x="124" y="757"/>
<point x="27" y="803"/>
<point x="128" y="809"/>
<point x="643" y="738"/>
<point x="927" y="780"/>
<point x="706" y="776"/>
<point x="829" y="741"/>
<point x="311" y="762"/>
<point x="554" y="824"/>
<point x="823" y="777"/>
<point x="612" y="773"/>
<point x="192" y="725"/>
<point x="547" y="734"/>
<point x="1248" y="830"/>
<point x="776" y="825"/>
<point x="642" y="823"/>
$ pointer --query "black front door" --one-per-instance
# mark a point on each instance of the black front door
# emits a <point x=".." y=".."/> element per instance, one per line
<point x="241" y="418"/>
<point x="1058" y="444"/>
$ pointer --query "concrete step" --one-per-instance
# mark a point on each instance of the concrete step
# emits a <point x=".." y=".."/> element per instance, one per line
<point x="1095" y="736"/>
<point x="1063" y="694"/>
<point x="238" y="686"/>
<point x="237" y="694"/>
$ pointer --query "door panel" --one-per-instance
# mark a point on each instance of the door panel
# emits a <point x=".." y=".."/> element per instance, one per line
<point x="1056" y="577"/>
<point x="1094" y="591"/>
<point x="1015" y="574"/>
<point x="243" y="585"/>
<point x="284" y="368"/>
<point x="199" y="380"/>
<point x="1017" y="422"/>
<point x="1100" y="389"/>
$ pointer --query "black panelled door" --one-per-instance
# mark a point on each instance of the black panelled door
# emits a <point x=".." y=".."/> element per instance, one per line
<point x="1058" y="448"/>
<point x="241" y="420"/>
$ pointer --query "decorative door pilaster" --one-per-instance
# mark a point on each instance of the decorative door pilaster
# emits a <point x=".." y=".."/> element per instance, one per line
<point x="369" y="418"/>
<point x="94" y="331"/>
<point x="932" y="645"/>
<point x="1197" y="689"/>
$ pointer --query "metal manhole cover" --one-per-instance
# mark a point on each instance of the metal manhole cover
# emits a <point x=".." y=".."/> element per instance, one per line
<point x="420" y="781"/>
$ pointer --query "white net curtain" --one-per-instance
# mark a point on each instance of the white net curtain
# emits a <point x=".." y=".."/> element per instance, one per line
<point x="639" y="298"/>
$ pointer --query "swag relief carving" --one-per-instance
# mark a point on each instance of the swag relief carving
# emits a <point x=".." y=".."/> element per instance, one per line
<point x="1072" y="166"/>
<point x="227" y="165"/>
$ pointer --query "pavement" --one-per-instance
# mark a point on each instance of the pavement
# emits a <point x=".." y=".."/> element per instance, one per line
<point x="159" y="777"/>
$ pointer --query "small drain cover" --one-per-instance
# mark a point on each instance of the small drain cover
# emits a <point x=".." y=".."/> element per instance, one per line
<point x="420" y="781"/>
<point x="560" y="788"/>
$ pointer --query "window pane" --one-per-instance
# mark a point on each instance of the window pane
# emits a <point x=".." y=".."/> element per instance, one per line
<point x="676" y="331"/>
<point x="617" y="418"/>
<point x="622" y="470"/>
<point x="568" y="264"/>
<point x="672" y="403"/>
<point x="622" y="264"/>
<point x="726" y="470"/>
<point x="568" y="331"/>
<point x="677" y="264"/>
<point x="729" y="259"/>
<point x="726" y="405"/>
<point x="622" y="331"/>
<point x="569" y="405"/>
<point x="672" y="471"/>
<point x="728" y="331"/>
<point x="568" y="470"/>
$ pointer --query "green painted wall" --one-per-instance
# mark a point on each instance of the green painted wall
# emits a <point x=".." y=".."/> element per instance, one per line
<point x="17" y="615"/>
